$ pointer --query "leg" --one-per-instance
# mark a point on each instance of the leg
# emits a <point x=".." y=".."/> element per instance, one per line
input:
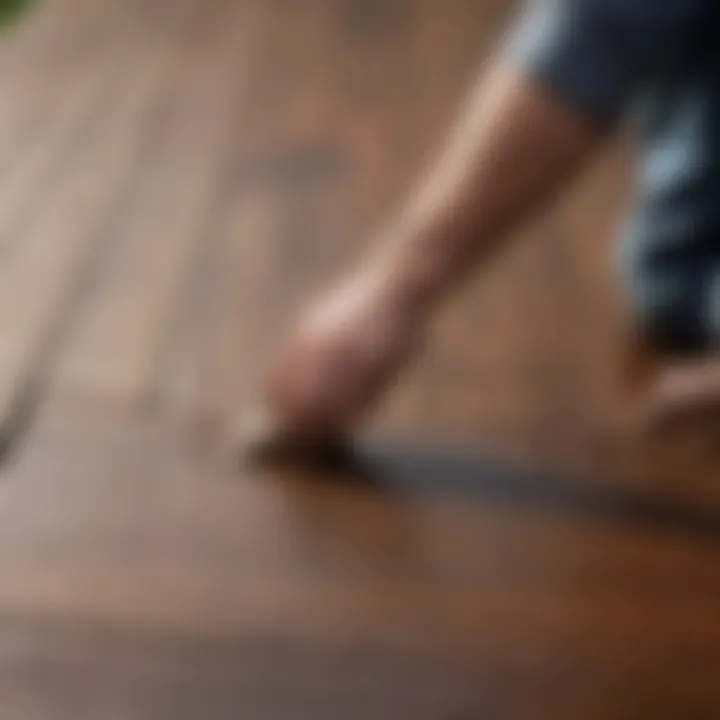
<point x="685" y="392"/>
<point x="672" y="379"/>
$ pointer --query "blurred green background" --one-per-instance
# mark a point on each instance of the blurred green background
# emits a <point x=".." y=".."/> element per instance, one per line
<point x="11" y="10"/>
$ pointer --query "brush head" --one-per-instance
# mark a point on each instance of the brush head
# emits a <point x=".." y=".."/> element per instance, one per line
<point x="262" y="440"/>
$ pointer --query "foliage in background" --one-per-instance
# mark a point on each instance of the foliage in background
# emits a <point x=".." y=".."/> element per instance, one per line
<point x="12" y="10"/>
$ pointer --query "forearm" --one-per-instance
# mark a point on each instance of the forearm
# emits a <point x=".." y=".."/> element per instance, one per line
<point x="515" y="148"/>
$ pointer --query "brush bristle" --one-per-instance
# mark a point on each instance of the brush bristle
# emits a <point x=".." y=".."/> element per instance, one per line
<point x="262" y="440"/>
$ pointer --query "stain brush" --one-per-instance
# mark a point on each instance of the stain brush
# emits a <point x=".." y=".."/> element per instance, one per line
<point x="262" y="440"/>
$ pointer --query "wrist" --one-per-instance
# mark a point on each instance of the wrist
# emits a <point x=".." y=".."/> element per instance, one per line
<point x="411" y="271"/>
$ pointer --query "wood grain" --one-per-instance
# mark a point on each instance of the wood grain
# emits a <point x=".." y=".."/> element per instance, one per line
<point x="177" y="177"/>
<point x="147" y="548"/>
<point x="58" y="246"/>
<point x="120" y="340"/>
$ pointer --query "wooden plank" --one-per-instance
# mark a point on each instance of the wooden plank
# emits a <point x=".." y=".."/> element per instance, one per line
<point x="38" y="281"/>
<point x="25" y="100"/>
<point x="55" y="33"/>
<point x="239" y="310"/>
<point x="51" y="150"/>
<point x="240" y="318"/>
<point x="142" y="541"/>
<point x="160" y="678"/>
<point x="41" y="62"/>
<point x="280" y="224"/>
<point x="129" y="322"/>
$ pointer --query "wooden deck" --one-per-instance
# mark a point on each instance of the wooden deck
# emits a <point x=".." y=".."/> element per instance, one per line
<point x="176" y="177"/>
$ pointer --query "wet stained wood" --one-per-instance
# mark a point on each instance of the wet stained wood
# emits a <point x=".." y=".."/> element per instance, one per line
<point x="176" y="178"/>
<point x="143" y="573"/>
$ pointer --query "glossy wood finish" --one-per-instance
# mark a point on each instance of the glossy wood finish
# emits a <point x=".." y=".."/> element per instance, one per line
<point x="176" y="177"/>
<point x="141" y="577"/>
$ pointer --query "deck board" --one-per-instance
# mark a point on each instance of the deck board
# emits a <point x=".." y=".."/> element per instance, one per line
<point x="176" y="178"/>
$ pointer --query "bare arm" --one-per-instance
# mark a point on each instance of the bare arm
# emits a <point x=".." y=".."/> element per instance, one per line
<point x="515" y="148"/>
<point x="556" y="91"/>
<point x="569" y="72"/>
